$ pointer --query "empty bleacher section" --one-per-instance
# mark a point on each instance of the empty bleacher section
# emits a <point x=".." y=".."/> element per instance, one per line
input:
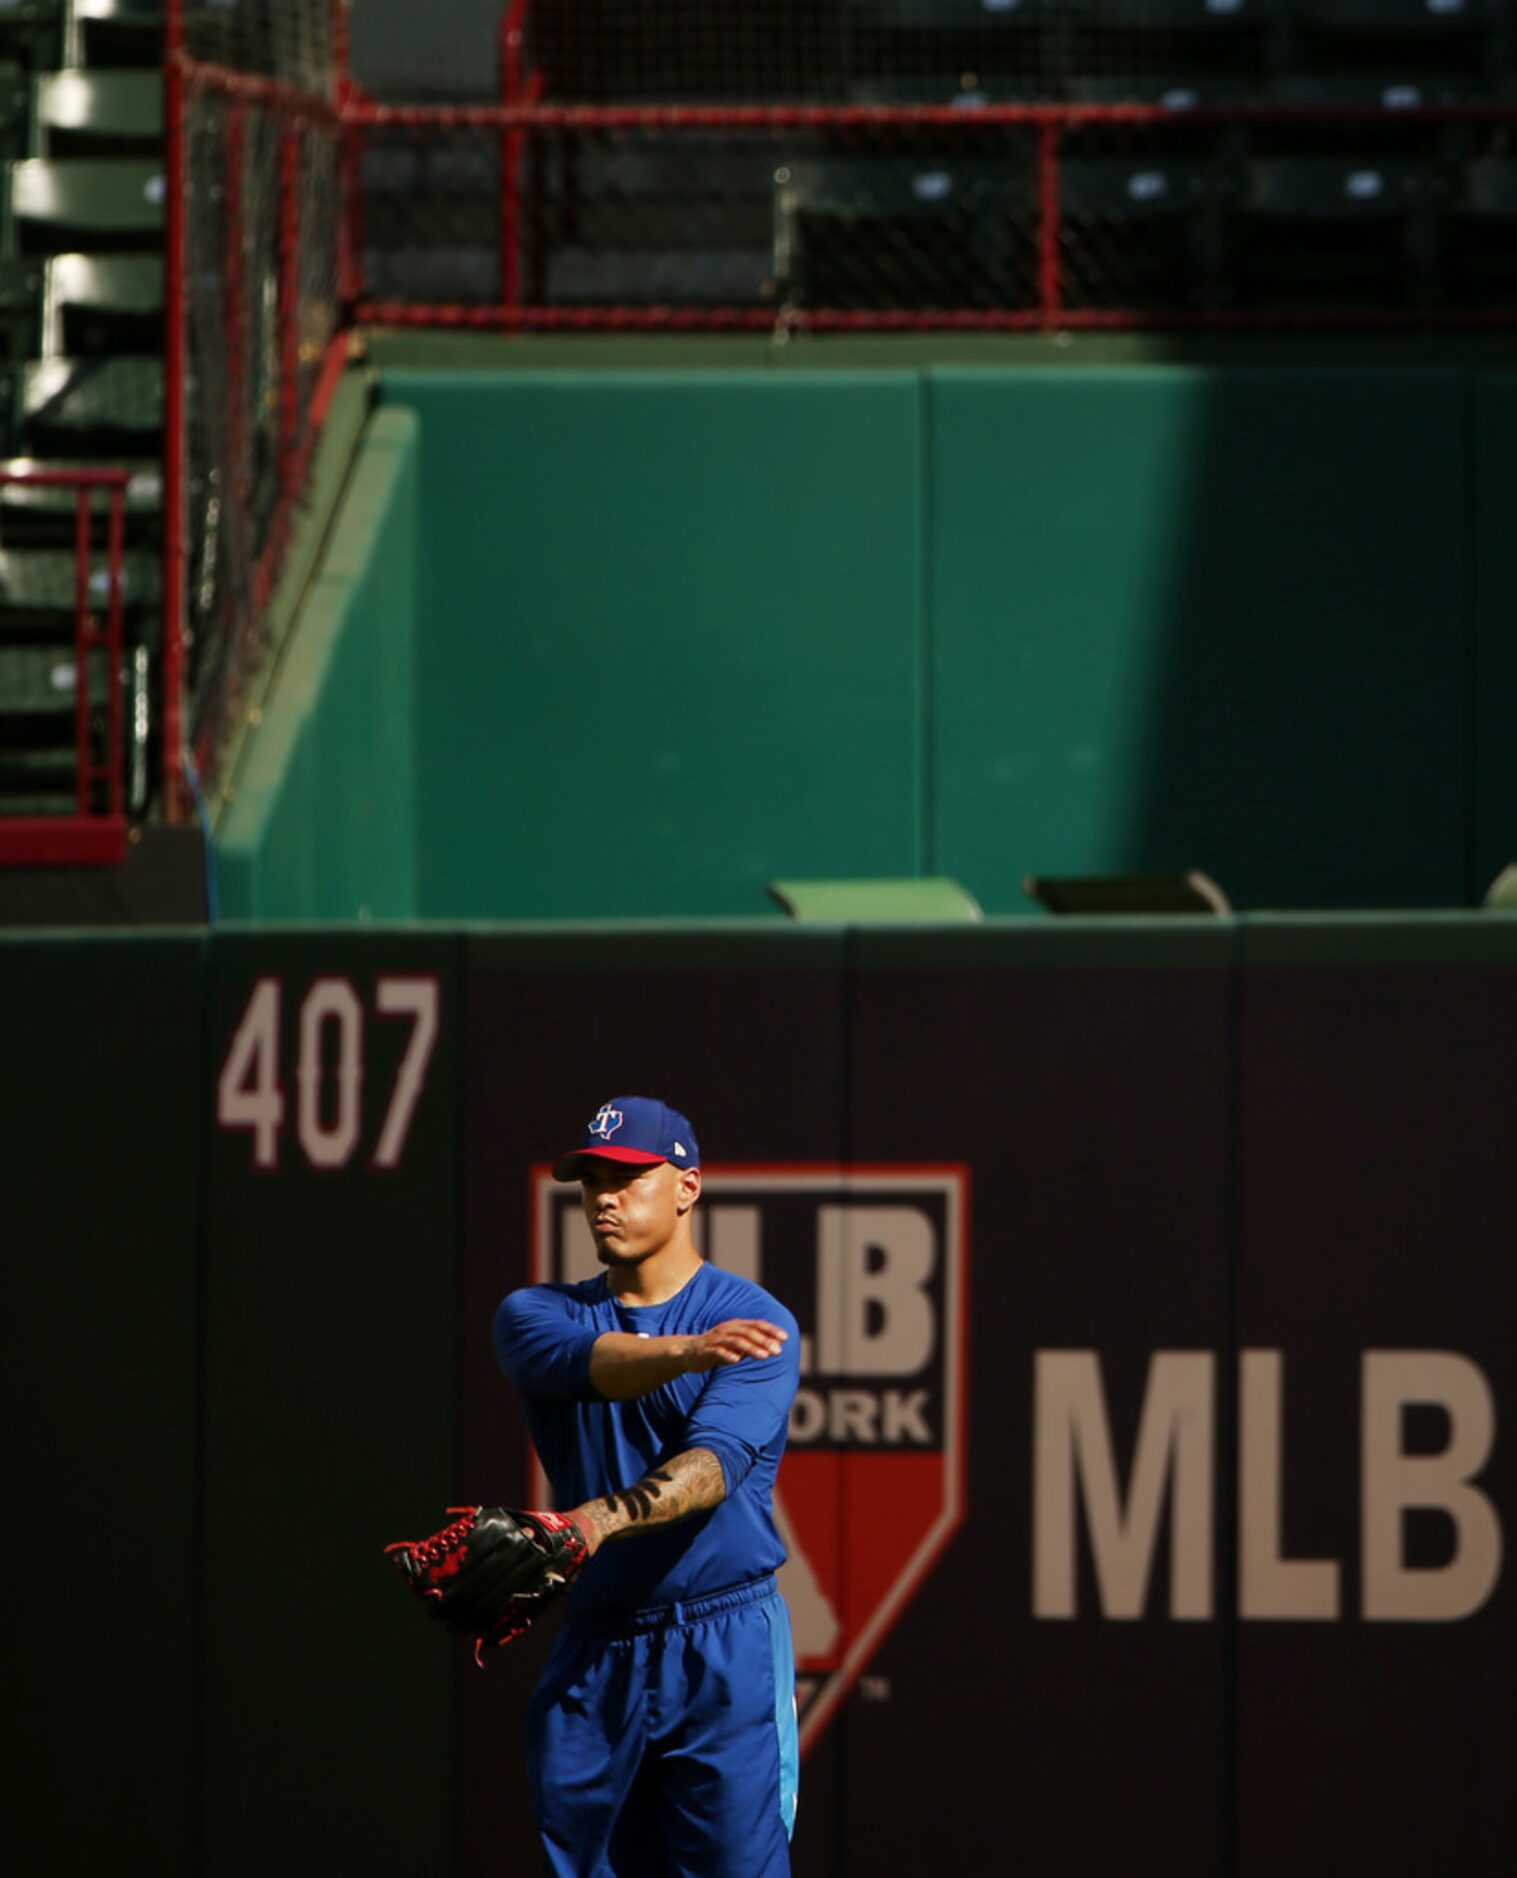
<point x="134" y="132"/>
<point x="81" y="309"/>
<point x="1029" y="162"/>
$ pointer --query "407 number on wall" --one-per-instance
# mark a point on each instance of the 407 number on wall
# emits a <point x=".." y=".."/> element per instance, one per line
<point x="332" y="1031"/>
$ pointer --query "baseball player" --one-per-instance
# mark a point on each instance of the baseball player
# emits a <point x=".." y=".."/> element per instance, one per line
<point x="661" y="1739"/>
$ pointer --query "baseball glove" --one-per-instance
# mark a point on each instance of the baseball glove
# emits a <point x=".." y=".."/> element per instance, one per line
<point x="493" y="1570"/>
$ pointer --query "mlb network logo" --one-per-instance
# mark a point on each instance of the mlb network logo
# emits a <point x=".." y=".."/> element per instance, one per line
<point x="872" y="1261"/>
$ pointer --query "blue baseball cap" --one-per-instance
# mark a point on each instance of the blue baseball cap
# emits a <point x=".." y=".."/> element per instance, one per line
<point x="638" y="1131"/>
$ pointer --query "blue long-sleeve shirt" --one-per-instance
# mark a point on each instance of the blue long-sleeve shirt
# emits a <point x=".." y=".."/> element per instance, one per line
<point x="590" y="1446"/>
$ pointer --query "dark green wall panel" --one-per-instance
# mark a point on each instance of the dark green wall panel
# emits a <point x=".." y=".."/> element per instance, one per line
<point x="1494" y="589"/>
<point x="227" y="1384"/>
<point x="1188" y="618"/>
<point x="671" y="638"/>
<point x="100" y="1137"/>
<point x="330" y="1427"/>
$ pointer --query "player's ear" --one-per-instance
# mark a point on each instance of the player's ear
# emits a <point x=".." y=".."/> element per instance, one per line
<point x="689" y="1189"/>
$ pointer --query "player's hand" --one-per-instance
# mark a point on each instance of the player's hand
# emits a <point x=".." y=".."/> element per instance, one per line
<point x="731" y="1342"/>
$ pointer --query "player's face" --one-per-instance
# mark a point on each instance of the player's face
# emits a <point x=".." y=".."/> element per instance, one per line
<point x="633" y="1211"/>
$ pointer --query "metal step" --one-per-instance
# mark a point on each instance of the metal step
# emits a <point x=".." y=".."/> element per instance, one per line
<point x="93" y="407"/>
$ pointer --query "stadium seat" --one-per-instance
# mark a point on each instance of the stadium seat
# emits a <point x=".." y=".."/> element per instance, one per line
<point x="933" y="900"/>
<point x="99" y="113"/>
<point x="65" y="204"/>
<point x="114" y="32"/>
<point x="20" y="308"/>
<point x="31" y="32"/>
<point x="926" y="51"/>
<point x="1129" y="895"/>
<point x="1427" y="36"/>
<point x="1479" y="234"/>
<point x="650" y="219"/>
<point x="1335" y="232"/>
<point x="103" y="407"/>
<point x="1135" y="36"/>
<point x="101" y="303"/>
<point x="904" y="232"/>
<point x="1406" y="88"/>
<point x="1145" y="234"/>
<point x="15" y="108"/>
<point x="1502" y="892"/>
<point x="37" y="595"/>
<point x="38" y="724"/>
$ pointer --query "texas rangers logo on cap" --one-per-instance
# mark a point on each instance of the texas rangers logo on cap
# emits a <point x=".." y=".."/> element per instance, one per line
<point x="647" y="1131"/>
<point x="607" y="1121"/>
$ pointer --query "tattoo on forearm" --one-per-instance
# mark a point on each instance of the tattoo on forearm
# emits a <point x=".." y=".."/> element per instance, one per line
<point x="691" y="1483"/>
<point x="637" y="1503"/>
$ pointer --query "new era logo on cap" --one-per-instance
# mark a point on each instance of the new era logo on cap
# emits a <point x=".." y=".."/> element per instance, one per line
<point x="635" y="1130"/>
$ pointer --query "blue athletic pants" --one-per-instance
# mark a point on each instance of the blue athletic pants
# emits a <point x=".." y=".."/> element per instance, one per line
<point x="666" y="1748"/>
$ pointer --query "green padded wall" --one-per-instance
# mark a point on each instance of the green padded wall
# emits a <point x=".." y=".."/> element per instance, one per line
<point x="971" y="620"/>
<point x="1494" y="592"/>
<point x="260" y="1210"/>
<point x="322" y="825"/>
<point x="1189" y="618"/>
<point x="101" y="1123"/>
<point x="329" y="1341"/>
<point x="670" y="640"/>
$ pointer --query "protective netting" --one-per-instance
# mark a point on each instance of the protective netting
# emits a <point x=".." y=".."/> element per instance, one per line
<point x="1012" y="162"/>
<point x="963" y="219"/>
<point x="933" y="51"/>
<point x="290" y="41"/>
<point x="260" y="300"/>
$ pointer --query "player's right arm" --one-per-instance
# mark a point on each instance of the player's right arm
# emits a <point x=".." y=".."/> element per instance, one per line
<point x="546" y="1348"/>
<point x="624" y="1365"/>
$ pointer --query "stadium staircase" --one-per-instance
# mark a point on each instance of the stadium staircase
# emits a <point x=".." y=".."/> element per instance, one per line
<point x="81" y="319"/>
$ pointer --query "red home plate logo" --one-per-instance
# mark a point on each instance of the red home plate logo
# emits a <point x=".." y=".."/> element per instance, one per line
<point x="872" y="1262"/>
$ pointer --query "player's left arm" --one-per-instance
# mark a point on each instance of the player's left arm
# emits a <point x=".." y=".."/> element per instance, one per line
<point x="690" y="1483"/>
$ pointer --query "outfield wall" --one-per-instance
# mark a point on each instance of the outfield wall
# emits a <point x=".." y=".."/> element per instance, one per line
<point x="969" y="619"/>
<point x="1151" y="1487"/>
<point x="775" y="620"/>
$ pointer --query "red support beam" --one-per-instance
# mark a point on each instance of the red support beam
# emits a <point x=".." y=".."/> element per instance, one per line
<point x="174" y="367"/>
<point x="233" y="295"/>
<point x="289" y="302"/>
<point x="115" y="648"/>
<point x="84" y="761"/>
<point x="757" y="117"/>
<point x="512" y="33"/>
<point x="1049" y="225"/>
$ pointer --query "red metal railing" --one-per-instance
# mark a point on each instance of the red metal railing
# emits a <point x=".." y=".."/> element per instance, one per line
<point x="1049" y="125"/>
<point x="96" y="832"/>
